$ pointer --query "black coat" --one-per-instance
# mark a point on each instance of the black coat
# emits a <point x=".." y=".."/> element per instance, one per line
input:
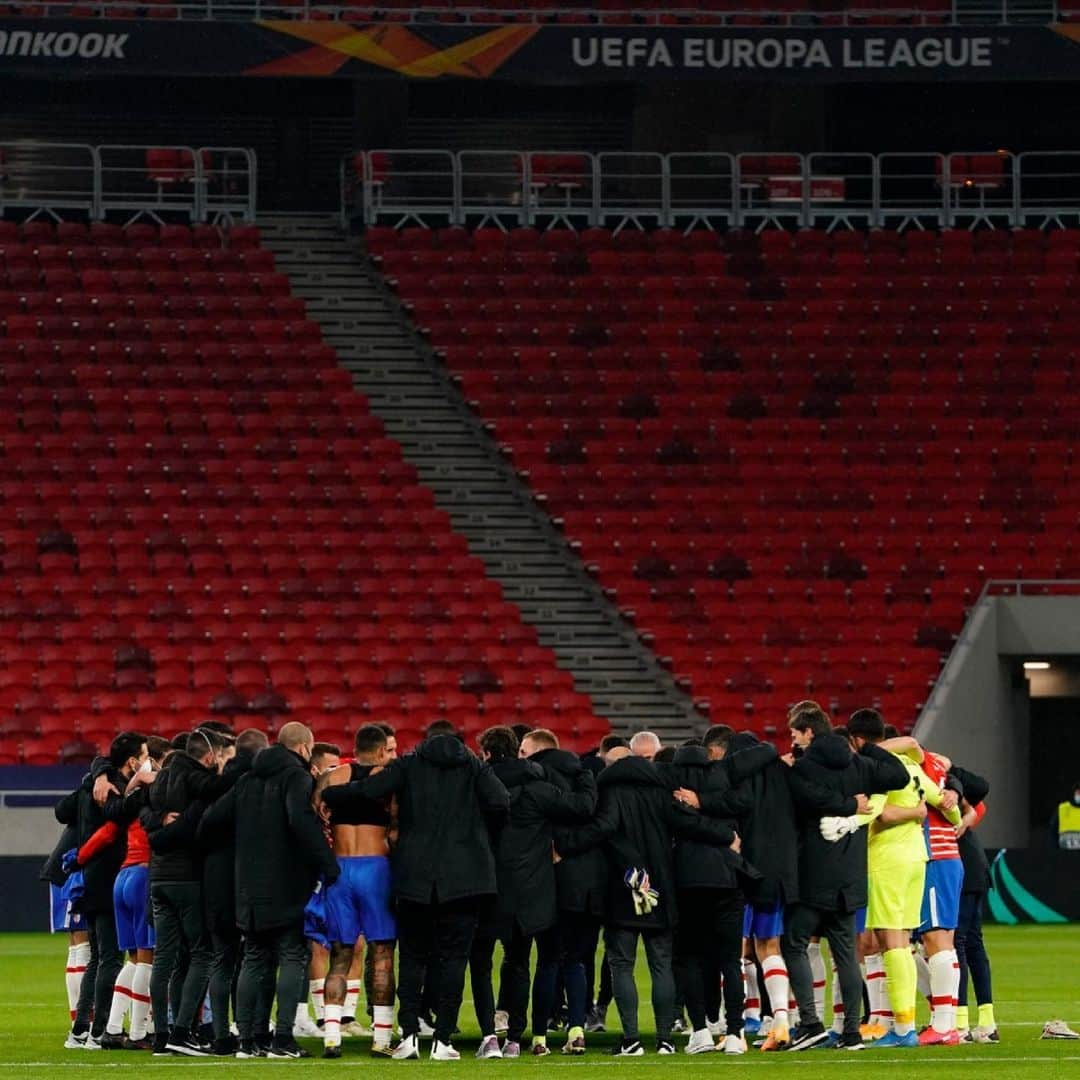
<point x="823" y="783"/>
<point x="80" y="811"/>
<point x="698" y="865"/>
<point x="217" y="839"/>
<point x="281" y="851"/>
<point x="637" y="819"/>
<point x="976" y="867"/>
<point x="761" y="804"/>
<point x="446" y="799"/>
<point x="524" y="855"/>
<point x="581" y="881"/>
<point x="50" y="870"/>
<point x="185" y="787"/>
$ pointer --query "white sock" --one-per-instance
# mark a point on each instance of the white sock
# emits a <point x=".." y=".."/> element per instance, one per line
<point x="332" y="1026"/>
<point x="316" y="990"/>
<point x="793" y="1012"/>
<point x="880" y="1012"/>
<point x="837" y="1004"/>
<point x="752" y="1006"/>
<point x="301" y="1013"/>
<point x="817" y="969"/>
<point x="777" y="987"/>
<point x="121" y="999"/>
<point x="384" y="1024"/>
<point x="77" y="959"/>
<point x="140" y="1001"/>
<point x="944" y="988"/>
<point x="922" y="974"/>
<point x="352" y="997"/>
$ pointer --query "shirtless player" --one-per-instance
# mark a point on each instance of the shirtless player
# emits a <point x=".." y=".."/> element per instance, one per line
<point x="358" y="903"/>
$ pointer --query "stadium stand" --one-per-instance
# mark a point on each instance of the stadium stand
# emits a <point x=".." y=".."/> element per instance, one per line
<point x="736" y="431"/>
<point x="201" y="516"/>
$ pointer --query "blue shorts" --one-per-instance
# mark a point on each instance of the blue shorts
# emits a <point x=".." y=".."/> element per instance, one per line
<point x="61" y="917"/>
<point x="131" y="898"/>
<point x="941" y="895"/>
<point x="860" y="920"/>
<point x="763" y="921"/>
<point x="359" y="901"/>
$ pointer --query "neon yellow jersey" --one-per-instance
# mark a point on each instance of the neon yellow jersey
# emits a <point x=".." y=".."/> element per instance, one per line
<point x="905" y="843"/>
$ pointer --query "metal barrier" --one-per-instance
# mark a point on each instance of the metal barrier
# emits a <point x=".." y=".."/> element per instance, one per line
<point x="210" y="183"/>
<point x="507" y="188"/>
<point x="838" y="13"/>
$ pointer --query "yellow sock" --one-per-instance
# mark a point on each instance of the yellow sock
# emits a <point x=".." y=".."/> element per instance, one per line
<point x="986" y="1016"/>
<point x="901" y="986"/>
<point x="963" y="1023"/>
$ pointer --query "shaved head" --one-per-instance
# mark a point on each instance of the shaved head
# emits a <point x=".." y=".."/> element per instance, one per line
<point x="296" y="737"/>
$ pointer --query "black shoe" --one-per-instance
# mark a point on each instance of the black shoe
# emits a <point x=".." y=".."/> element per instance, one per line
<point x="112" y="1042"/>
<point x="181" y="1042"/>
<point x="331" y="1051"/>
<point x="628" y="1048"/>
<point x="226" y="1047"/>
<point x="145" y="1043"/>
<point x="287" y="1049"/>
<point x="205" y="1035"/>
<point x="665" y="1046"/>
<point x="249" y="1048"/>
<point x="806" y="1036"/>
<point x="161" y="1045"/>
<point x="850" y="1042"/>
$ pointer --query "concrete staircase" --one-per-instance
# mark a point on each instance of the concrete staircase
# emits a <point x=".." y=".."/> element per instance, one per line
<point x="457" y="459"/>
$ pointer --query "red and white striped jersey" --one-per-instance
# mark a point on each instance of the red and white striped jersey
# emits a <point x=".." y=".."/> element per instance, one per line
<point x="940" y="835"/>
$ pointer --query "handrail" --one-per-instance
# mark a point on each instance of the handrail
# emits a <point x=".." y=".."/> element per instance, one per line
<point x="982" y="12"/>
<point x="199" y="184"/>
<point x="757" y="190"/>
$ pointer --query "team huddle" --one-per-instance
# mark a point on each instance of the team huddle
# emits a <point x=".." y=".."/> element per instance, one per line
<point x="200" y="879"/>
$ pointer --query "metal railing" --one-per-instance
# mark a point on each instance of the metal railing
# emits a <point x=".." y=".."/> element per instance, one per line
<point x="978" y="12"/>
<point x="210" y="183"/>
<point x="510" y="188"/>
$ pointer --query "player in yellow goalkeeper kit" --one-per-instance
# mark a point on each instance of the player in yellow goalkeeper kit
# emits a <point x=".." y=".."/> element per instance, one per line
<point x="896" y="863"/>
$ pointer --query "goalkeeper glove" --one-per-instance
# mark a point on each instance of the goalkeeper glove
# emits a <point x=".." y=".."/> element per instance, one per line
<point x="835" y="828"/>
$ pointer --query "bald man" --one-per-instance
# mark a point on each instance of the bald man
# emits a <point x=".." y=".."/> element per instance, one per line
<point x="280" y="855"/>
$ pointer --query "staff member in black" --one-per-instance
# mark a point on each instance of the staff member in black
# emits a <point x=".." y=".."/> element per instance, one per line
<point x="443" y="865"/>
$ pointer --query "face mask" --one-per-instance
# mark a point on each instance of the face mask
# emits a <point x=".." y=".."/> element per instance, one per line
<point x="147" y="766"/>
<point x="1076" y="798"/>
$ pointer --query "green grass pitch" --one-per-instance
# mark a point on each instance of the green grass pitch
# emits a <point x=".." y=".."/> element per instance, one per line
<point x="1035" y="975"/>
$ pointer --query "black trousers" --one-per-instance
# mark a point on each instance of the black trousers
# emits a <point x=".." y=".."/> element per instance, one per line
<point x="480" y="976"/>
<point x="106" y="960"/>
<point x="442" y="932"/>
<point x="226" y="943"/>
<point x="971" y="951"/>
<point x="620" y="944"/>
<point x="708" y="948"/>
<point x="801" y="923"/>
<point x="283" y="950"/>
<point x="178" y="924"/>
<point x="560" y="952"/>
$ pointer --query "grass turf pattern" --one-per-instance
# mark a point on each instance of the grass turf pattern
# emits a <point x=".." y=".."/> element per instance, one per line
<point x="1035" y="979"/>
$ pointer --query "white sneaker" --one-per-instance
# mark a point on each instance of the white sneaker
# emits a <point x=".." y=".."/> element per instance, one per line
<point x="76" y="1042"/>
<point x="426" y="1030"/>
<point x="766" y="1026"/>
<point x="91" y="1043"/>
<point x="1058" y="1029"/>
<point x="355" y="1030"/>
<point x="306" y="1028"/>
<point x="489" y="1048"/>
<point x="443" y="1052"/>
<point x="985" y="1035"/>
<point x="734" y="1044"/>
<point x="502" y="1021"/>
<point x="716" y="1028"/>
<point x="408" y="1048"/>
<point x="700" y="1042"/>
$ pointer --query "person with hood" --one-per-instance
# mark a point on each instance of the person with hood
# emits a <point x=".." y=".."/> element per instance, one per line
<point x="280" y="856"/>
<point x="63" y="918"/>
<point x="190" y="781"/>
<point x="760" y="803"/>
<point x="96" y="802"/>
<point x="443" y="866"/>
<point x="828" y="779"/>
<point x="637" y="820"/>
<point x="708" y="940"/>
<point x="527" y="907"/>
<point x="580" y="894"/>
<point x="217" y="839"/>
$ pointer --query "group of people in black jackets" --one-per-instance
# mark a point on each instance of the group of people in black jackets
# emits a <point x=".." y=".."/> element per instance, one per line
<point x="519" y="843"/>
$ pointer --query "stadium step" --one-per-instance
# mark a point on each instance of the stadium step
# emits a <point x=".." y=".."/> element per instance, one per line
<point x="455" y="457"/>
